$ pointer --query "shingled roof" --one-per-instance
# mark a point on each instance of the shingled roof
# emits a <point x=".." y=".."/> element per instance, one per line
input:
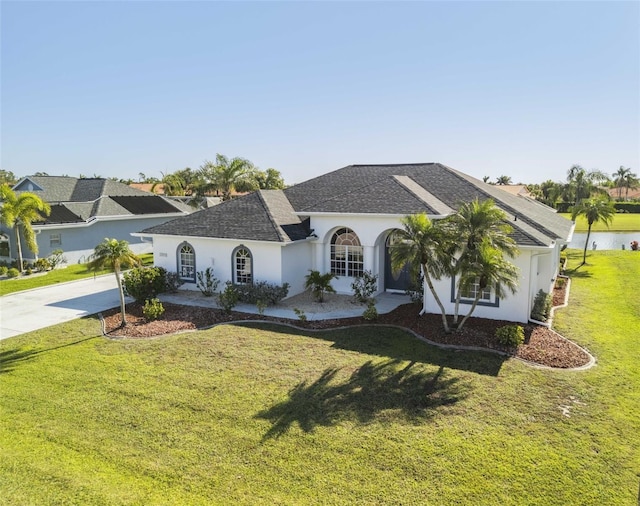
<point x="76" y="200"/>
<point x="264" y="215"/>
<point x="402" y="189"/>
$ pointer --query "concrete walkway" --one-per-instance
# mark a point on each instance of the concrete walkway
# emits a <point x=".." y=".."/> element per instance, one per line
<point x="35" y="309"/>
<point x="385" y="303"/>
<point x="39" y="308"/>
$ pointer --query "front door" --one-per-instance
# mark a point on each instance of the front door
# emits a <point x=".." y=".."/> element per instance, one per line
<point x="398" y="281"/>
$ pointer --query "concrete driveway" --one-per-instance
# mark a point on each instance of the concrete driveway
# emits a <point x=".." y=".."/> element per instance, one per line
<point x="23" y="312"/>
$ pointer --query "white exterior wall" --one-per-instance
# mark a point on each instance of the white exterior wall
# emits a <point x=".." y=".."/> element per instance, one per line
<point x="372" y="232"/>
<point x="538" y="269"/>
<point x="297" y="259"/>
<point x="217" y="253"/>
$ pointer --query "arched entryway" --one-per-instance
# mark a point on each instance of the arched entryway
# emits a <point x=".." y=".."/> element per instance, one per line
<point x="394" y="281"/>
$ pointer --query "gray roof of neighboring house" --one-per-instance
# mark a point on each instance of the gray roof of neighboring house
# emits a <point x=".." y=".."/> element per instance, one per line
<point x="264" y="215"/>
<point x="94" y="197"/>
<point x="367" y="189"/>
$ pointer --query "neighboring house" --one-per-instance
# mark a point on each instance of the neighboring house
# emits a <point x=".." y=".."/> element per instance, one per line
<point x="156" y="188"/>
<point x="515" y="189"/>
<point x="617" y="193"/>
<point x="341" y="222"/>
<point x="86" y="211"/>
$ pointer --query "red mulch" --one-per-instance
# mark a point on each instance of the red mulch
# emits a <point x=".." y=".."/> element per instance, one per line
<point x="542" y="345"/>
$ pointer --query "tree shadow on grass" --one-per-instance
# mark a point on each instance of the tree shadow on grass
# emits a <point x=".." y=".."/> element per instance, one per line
<point x="10" y="358"/>
<point x="581" y="271"/>
<point x="396" y="343"/>
<point x="372" y="389"/>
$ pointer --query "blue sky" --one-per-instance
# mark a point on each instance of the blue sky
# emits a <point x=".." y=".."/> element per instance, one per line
<point x="524" y="89"/>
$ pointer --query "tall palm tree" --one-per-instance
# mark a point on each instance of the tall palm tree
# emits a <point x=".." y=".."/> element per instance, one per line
<point x="475" y="225"/>
<point x="113" y="254"/>
<point x="503" y="180"/>
<point x="631" y="181"/>
<point x="594" y="210"/>
<point x="224" y="174"/>
<point x="20" y="211"/>
<point x="488" y="267"/>
<point x="619" y="177"/>
<point x="426" y="247"/>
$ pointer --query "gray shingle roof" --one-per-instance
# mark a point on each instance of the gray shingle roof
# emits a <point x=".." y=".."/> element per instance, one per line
<point x="375" y="189"/>
<point x="94" y="197"/>
<point x="265" y="215"/>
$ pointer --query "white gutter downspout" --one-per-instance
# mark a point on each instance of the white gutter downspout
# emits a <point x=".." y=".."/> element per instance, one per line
<point x="529" y="304"/>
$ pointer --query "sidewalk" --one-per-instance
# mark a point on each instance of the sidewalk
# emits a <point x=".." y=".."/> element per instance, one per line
<point x="35" y="309"/>
<point x="39" y="308"/>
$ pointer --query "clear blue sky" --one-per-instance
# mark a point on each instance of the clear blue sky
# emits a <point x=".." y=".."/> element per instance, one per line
<point x="524" y="89"/>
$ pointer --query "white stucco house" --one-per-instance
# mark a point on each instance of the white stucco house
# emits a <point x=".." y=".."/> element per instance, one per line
<point x="341" y="222"/>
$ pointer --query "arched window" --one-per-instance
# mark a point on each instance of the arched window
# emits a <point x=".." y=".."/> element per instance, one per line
<point x="242" y="266"/>
<point x="187" y="262"/>
<point x="346" y="254"/>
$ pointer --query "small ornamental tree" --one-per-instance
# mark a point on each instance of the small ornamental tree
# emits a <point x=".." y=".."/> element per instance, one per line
<point x="113" y="254"/>
<point x="319" y="284"/>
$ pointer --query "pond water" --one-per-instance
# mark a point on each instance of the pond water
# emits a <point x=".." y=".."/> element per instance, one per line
<point x="604" y="240"/>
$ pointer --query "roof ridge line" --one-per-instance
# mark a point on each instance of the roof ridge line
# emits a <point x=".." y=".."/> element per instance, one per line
<point x="272" y="219"/>
<point x="510" y="209"/>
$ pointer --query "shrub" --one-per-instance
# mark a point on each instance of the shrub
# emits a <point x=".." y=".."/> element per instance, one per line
<point x="13" y="272"/>
<point x="364" y="286"/>
<point x="541" y="306"/>
<point x="268" y="293"/>
<point x="143" y="283"/>
<point x="228" y="298"/>
<point x="172" y="282"/>
<point x="560" y="282"/>
<point x="319" y="284"/>
<point x="300" y="314"/>
<point x="371" y="313"/>
<point x="56" y="258"/>
<point x="28" y="271"/>
<point x="206" y="282"/>
<point x="510" y="335"/>
<point x="415" y="290"/>
<point x="261" y="305"/>
<point x="153" y="309"/>
<point x="42" y="265"/>
<point x="3" y="270"/>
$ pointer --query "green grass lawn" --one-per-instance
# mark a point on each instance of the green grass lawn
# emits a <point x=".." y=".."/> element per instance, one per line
<point x="69" y="273"/>
<point x="622" y="222"/>
<point x="268" y="415"/>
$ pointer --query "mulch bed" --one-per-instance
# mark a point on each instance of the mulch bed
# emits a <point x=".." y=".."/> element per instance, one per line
<point x="542" y="345"/>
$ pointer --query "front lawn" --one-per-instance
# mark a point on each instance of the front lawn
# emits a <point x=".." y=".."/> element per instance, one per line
<point x="268" y="415"/>
<point x="72" y="272"/>
<point x="622" y="222"/>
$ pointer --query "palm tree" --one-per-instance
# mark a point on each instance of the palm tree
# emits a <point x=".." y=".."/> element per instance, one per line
<point x="489" y="269"/>
<point x="225" y="174"/>
<point x="426" y="247"/>
<point x="594" y="210"/>
<point x="475" y="225"/>
<point x="620" y="176"/>
<point x="20" y="211"/>
<point x="631" y="181"/>
<point x="113" y="254"/>
<point x="503" y="180"/>
<point x="319" y="283"/>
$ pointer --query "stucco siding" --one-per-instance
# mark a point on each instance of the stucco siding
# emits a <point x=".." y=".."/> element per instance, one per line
<point x="296" y="263"/>
<point x="215" y="253"/>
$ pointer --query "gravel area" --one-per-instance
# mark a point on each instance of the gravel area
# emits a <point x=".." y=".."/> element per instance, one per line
<point x="542" y="345"/>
